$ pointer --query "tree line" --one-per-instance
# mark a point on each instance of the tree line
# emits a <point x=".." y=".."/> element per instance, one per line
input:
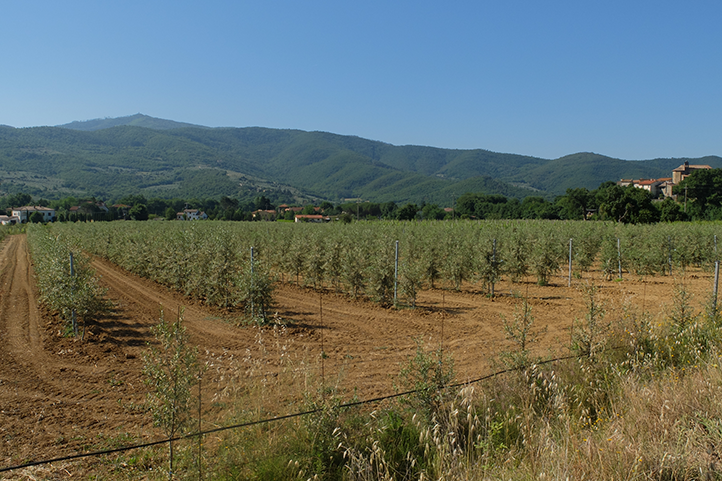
<point x="698" y="197"/>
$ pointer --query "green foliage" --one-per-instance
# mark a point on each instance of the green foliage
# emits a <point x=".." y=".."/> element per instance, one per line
<point x="256" y="289"/>
<point x="138" y="212"/>
<point x="521" y="333"/>
<point x="142" y="155"/>
<point x="628" y="205"/>
<point x="427" y="374"/>
<point x="412" y="271"/>
<point x="171" y="369"/>
<point x="59" y="290"/>
<point x="546" y="254"/>
<point x="703" y="188"/>
<point x="518" y="252"/>
<point x="589" y="336"/>
<point x="407" y="212"/>
<point x="489" y="263"/>
<point x="380" y="285"/>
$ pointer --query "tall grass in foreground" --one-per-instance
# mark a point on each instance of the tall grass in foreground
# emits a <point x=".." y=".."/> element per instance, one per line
<point x="646" y="404"/>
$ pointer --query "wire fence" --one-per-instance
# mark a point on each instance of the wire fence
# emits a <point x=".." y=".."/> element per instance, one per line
<point x="272" y="419"/>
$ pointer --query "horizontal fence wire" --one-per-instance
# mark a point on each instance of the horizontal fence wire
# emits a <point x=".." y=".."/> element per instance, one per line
<point x="277" y="418"/>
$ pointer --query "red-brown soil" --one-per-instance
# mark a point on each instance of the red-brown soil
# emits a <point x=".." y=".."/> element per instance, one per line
<point x="61" y="396"/>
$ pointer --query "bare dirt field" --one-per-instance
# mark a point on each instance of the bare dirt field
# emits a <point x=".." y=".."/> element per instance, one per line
<point x="61" y="396"/>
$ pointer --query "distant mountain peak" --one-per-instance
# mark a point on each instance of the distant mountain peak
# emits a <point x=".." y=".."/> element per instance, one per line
<point x="137" y="120"/>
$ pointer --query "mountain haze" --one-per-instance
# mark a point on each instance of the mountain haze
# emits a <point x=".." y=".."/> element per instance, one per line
<point x="138" y="154"/>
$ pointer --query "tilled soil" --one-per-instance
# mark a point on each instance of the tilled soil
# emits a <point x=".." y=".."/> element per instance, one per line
<point x="61" y="396"/>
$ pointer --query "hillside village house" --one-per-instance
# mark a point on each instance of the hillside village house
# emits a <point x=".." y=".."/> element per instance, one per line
<point x="24" y="213"/>
<point x="191" y="214"/>
<point x="653" y="186"/>
<point x="685" y="170"/>
<point x="664" y="185"/>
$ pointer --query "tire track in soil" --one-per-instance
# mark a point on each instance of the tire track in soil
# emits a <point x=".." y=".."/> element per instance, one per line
<point x="54" y="392"/>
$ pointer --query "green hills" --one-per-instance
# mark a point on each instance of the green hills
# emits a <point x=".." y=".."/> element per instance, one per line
<point x="110" y="158"/>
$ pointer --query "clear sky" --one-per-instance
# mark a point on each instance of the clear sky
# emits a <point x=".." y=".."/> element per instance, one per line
<point x="633" y="79"/>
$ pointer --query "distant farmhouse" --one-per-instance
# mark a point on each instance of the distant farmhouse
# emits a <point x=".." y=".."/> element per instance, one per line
<point x="23" y="214"/>
<point x="664" y="186"/>
<point x="191" y="214"/>
<point x="8" y="220"/>
<point x="311" y="218"/>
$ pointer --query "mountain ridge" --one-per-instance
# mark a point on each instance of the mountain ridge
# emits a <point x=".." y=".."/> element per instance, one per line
<point x="138" y="120"/>
<point x="139" y="154"/>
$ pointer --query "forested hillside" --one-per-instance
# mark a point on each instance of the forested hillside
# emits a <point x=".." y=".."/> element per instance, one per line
<point x="109" y="158"/>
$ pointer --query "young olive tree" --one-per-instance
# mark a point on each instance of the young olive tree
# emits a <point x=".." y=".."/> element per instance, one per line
<point x="171" y="369"/>
<point x="412" y="271"/>
<point x="520" y="331"/>
<point x="380" y="272"/>
<point x="589" y="337"/>
<point x="256" y="286"/>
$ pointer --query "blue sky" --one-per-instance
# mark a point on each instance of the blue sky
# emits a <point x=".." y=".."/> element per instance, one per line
<point x="632" y="79"/>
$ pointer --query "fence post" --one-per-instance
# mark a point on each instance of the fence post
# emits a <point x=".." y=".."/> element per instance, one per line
<point x="714" y="289"/>
<point x="323" y="350"/>
<point x="669" y="253"/>
<point x="253" y="295"/>
<point x="493" y="264"/>
<point x="396" y="274"/>
<point x="619" y="257"/>
<point x="73" y="314"/>
<point x="570" y="264"/>
<point x="200" y="435"/>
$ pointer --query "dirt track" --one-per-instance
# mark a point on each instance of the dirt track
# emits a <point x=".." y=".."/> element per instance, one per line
<point x="61" y="396"/>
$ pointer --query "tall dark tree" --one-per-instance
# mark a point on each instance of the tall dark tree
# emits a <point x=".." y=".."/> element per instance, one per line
<point x="407" y="212"/>
<point x="702" y="191"/>
<point x="629" y="205"/>
<point x="263" y="203"/>
<point x="574" y="204"/>
<point x="138" y="212"/>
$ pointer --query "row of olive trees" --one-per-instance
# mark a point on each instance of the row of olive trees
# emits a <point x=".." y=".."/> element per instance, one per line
<point x="211" y="261"/>
<point x="211" y="265"/>
<point x="65" y="280"/>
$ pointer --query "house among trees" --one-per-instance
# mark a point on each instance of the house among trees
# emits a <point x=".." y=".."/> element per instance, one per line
<point x="685" y="170"/>
<point x="191" y="214"/>
<point x="25" y="213"/>
<point x="664" y="185"/>
<point x="653" y="186"/>
<point x="262" y="214"/>
<point x="122" y="209"/>
<point x="90" y="209"/>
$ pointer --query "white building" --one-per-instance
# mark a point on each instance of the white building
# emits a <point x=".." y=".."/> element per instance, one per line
<point x="6" y="220"/>
<point x="24" y="213"/>
<point x="191" y="214"/>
